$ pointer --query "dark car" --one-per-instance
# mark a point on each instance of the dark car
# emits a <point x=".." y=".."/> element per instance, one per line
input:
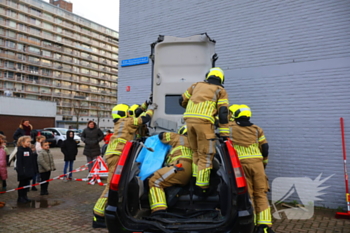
<point x="227" y="207"/>
<point x="48" y="134"/>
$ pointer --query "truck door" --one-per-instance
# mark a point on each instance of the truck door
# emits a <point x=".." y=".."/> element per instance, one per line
<point x="177" y="63"/>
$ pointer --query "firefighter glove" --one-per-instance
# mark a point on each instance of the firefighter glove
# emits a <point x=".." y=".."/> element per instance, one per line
<point x="153" y="106"/>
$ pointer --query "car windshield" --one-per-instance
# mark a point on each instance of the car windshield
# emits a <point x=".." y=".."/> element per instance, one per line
<point x="63" y="131"/>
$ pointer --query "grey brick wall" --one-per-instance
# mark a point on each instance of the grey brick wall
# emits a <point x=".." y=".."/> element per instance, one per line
<point x="288" y="60"/>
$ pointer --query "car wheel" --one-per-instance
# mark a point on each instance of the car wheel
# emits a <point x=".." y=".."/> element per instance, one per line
<point x="59" y="143"/>
<point x="246" y="224"/>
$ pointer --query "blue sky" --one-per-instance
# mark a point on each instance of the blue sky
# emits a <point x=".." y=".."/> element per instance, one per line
<point x="104" y="12"/>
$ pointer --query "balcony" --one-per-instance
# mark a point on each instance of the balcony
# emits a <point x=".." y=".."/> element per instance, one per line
<point x="71" y="41"/>
<point x="64" y="24"/>
<point x="67" y="61"/>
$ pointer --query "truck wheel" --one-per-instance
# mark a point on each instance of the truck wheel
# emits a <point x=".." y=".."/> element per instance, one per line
<point x="59" y="143"/>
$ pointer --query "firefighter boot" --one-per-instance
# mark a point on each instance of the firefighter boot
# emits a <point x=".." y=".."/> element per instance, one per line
<point x="264" y="229"/>
<point x="98" y="222"/>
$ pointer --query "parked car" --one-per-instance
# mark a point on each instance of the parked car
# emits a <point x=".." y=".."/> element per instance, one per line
<point x="77" y="131"/>
<point x="60" y="135"/>
<point x="228" y="208"/>
<point x="50" y="137"/>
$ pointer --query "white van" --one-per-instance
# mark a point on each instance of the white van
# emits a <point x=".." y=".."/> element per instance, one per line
<point x="61" y="134"/>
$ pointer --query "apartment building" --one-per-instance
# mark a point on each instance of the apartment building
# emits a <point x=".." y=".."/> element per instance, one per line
<point x="50" y="54"/>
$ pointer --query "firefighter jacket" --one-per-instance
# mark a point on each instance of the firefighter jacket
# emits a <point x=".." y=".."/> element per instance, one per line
<point x="247" y="140"/>
<point x="180" y="148"/>
<point x="125" y="130"/>
<point x="203" y="101"/>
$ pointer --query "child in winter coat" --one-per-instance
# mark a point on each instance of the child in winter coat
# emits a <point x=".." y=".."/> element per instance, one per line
<point x="3" y="163"/>
<point x="70" y="150"/>
<point x="46" y="165"/>
<point x="36" y="177"/>
<point x="39" y="139"/>
<point x="26" y="167"/>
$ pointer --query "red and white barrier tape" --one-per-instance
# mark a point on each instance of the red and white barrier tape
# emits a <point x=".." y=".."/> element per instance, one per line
<point x="95" y="178"/>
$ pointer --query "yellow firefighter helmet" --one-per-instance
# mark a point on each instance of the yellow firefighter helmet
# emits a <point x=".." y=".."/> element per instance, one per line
<point x="218" y="73"/>
<point x="243" y="111"/>
<point x="132" y="110"/>
<point x="120" y="111"/>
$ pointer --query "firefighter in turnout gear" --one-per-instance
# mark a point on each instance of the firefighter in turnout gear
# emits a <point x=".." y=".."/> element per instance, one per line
<point x="203" y="101"/>
<point x="137" y="110"/>
<point x="124" y="130"/>
<point x="177" y="172"/>
<point x="252" y="148"/>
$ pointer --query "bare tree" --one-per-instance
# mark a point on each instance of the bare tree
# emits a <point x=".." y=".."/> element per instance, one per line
<point x="99" y="114"/>
<point x="78" y="109"/>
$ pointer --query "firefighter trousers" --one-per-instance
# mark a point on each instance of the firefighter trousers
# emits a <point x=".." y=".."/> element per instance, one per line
<point x="257" y="187"/>
<point x="201" y="137"/>
<point x="167" y="177"/>
<point x="115" y="149"/>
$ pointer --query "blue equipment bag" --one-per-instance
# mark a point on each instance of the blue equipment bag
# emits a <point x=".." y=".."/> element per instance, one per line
<point x="152" y="161"/>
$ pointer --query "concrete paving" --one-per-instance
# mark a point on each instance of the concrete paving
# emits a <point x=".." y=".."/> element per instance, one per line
<point x="68" y="207"/>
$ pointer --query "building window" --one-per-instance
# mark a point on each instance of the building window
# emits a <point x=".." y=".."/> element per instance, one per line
<point x="23" y="17"/>
<point x="34" y="30"/>
<point x="20" y="66"/>
<point x="48" y="26"/>
<point x="67" y="41"/>
<point x="115" y="49"/>
<point x="46" y="72"/>
<point x="86" y="80"/>
<point x="85" y="30"/>
<point x="59" y="38"/>
<point x="48" y="16"/>
<point x="34" y="21"/>
<point x="84" y="71"/>
<point x="94" y="65"/>
<point x="33" y="69"/>
<point x="46" y="53"/>
<point x="20" y="47"/>
<point x="9" y="64"/>
<point x="10" y="44"/>
<point x="11" y="34"/>
<point x="8" y="84"/>
<point x="94" y="58"/>
<point x="47" y="43"/>
<point x="12" y="24"/>
<point x="59" y="29"/>
<point x="11" y="13"/>
<point x="68" y="32"/>
<point x="32" y="88"/>
<point x="9" y="74"/>
<point x="58" y="20"/>
<point x="35" y="11"/>
<point x="33" y="50"/>
<point x="21" y="56"/>
<point x="33" y="59"/>
<point x="34" y="40"/>
<point x="46" y="62"/>
<point x="47" y="34"/>
<point x="94" y="73"/>
<point x="84" y="63"/>
<point x="86" y="55"/>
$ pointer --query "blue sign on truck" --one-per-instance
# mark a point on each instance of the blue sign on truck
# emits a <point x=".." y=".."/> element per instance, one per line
<point x="135" y="61"/>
